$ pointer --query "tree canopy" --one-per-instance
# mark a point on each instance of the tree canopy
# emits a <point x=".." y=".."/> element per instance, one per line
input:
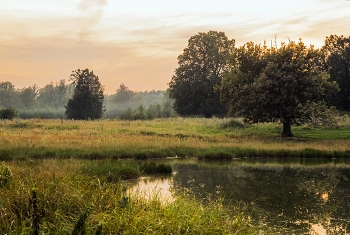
<point x="337" y="63"/>
<point x="201" y="67"/>
<point x="275" y="85"/>
<point x="87" y="100"/>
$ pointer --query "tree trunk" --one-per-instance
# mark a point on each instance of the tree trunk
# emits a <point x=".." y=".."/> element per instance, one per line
<point x="287" y="130"/>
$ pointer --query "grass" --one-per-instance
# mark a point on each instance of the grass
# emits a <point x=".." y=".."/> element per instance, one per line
<point x="66" y="177"/>
<point x="182" y="137"/>
<point x="76" y="197"/>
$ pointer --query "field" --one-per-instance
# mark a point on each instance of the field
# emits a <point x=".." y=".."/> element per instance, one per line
<point x="192" y="137"/>
<point x="66" y="176"/>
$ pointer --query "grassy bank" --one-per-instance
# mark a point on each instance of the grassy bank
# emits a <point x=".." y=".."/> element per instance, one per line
<point x="192" y="137"/>
<point x="79" y="197"/>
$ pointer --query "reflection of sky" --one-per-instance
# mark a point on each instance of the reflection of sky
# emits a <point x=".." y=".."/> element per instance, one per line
<point x="153" y="188"/>
<point x="137" y="41"/>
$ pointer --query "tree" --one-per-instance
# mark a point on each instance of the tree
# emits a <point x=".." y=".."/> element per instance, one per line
<point x="7" y="85"/>
<point x="151" y="112"/>
<point x="337" y="63"/>
<point x="124" y="94"/>
<point x="28" y="96"/>
<point x="127" y="115"/>
<point x="140" y="113"/>
<point x="9" y="97"/>
<point x="55" y="96"/>
<point x="201" y="67"/>
<point x="87" y="100"/>
<point x="280" y="91"/>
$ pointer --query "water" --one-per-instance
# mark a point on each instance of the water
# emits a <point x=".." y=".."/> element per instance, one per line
<point x="290" y="196"/>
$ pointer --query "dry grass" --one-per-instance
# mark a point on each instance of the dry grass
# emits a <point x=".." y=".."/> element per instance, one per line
<point x="159" y="138"/>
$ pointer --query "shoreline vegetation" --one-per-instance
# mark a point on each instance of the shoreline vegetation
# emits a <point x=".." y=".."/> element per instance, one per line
<point x="79" y="197"/>
<point x="66" y="177"/>
<point x="201" y="138"/>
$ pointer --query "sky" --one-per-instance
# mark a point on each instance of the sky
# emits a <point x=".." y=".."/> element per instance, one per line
<point x="137" y="42"/>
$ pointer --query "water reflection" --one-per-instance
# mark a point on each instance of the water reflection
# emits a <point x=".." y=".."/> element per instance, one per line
<point x="292" y="196"/>
<point x="150" y="188"/>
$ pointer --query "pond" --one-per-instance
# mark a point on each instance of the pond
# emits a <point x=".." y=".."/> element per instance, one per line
<point x="290" y="196"/>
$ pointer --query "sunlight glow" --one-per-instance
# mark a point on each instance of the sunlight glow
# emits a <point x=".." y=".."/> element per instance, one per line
<point x="138" y="41"/>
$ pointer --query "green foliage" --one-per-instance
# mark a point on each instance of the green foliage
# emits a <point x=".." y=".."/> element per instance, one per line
<point x="140" y="113"/>
<point x="24" y="125"/>
<point x="153" y="111"/>
<point x="201" y="67"/>
<point x="87" y="101"/>
<point x="28" y="96"/>
<point x="124" y="94"/>
<point x="279" y="88"/>
<point x="336" y="59"/>
<point x="127" y="115"/>
<point x="322" y="116"/>
<point x="54" y="96"/>
<point x="43" y="113"/>
<point x="9" y="97"/>
<point x="158" y="103"/>
<point x="8" y="113"/>
<point x="232" y="123"/>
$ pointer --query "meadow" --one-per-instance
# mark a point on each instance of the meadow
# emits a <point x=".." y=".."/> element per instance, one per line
<point x="66" y="176"/>
<point x="174" y="137"/>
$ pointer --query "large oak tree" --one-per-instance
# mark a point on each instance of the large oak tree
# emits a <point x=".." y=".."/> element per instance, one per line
<point x="201" y="67"/>
<point x="275" y="85"/>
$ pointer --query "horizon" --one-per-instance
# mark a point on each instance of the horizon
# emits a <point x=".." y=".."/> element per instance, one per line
<point x="138" y="43"/>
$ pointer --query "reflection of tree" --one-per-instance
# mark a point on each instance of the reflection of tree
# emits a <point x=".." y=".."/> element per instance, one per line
<point x="291" y="197"/>
<point x="286" y="197"/>
<point x="339" y="222"/>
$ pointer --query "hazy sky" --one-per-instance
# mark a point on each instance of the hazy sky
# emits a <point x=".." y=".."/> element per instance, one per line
<point x="137" y="42"/>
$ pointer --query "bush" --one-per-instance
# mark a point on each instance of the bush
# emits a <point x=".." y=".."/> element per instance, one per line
<point x="232" y="124"/>
<point x="9" y="113"/>
<point x="324" y="117"/>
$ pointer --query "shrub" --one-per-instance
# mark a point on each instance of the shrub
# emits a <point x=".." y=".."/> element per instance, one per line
<point x="8" y="113"/>
<point x="232" y="123"/>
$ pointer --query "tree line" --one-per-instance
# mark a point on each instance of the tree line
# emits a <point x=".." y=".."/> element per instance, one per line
<point x="32" y="101"/>
<point x="82" y="98"/>
<point x="290" y="83"/>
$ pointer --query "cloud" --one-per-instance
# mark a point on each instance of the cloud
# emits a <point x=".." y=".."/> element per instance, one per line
<point x="92" y="13"/>
<point x="43" y="60"/>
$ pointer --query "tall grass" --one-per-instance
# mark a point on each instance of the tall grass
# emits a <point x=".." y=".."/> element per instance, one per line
<point x="62" y="197"/>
